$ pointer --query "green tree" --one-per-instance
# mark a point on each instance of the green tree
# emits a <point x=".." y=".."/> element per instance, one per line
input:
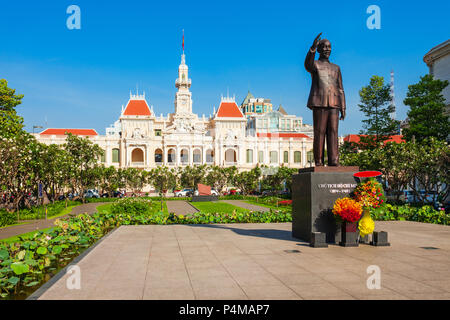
<point x="84" y="157"/>
<point x="217" y="177"/>
<point x="163" y="179"/>
<point x="427" y="106"/>
<point x="191" y="176"/>
<point x="376" y="104"/>
<point x="9" y="100"/>
<point x="428" y="168"/>
<point x="247" y="180"/>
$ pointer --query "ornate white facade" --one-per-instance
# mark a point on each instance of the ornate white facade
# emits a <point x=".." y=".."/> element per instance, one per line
<point x="141" y="139"/>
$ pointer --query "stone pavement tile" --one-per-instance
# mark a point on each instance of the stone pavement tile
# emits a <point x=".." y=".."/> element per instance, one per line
<point x="317" y="290"/>
<point x="270" y="260"/>
<point x="424" y="275"/>
<point x="270" y="293"/>
<point x="443" y="284"/>
<point x="256" y="279"/>
<point x="172" y="281"/>
<point x="213" y="282"/>
<point x="359" y="290"/>
<point x="216" y="293"/>
<point x="168" y="294"/>
<point x="405" y="286"/>
<point x="196" y="273"/>
<point x="433" y="296"/>
<point x="299" y="278"/>
<point x="341" y="296"/>
<point x="290" y="269"/>
<point x="195" y="251"/>
<point x="320" y="268"/>
<point x="343" y="276"/>
<point x="391" y="296"/>
<point x="245" y="269"/>
<point x="208" y="261"/>
<point x="117" y="293"/>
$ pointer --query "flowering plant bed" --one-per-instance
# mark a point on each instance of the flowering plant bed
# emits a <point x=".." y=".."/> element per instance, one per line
<point x="285" y="203"/>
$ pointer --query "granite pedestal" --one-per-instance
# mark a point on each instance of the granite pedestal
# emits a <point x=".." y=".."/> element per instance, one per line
<point x="314" y="191"/>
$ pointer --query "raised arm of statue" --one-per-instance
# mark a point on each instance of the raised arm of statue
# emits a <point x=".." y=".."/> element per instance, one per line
<point x="309" y="61"/>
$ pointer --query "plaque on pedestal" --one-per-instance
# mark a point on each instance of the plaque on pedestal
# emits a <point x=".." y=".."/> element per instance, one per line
<point x="314" y="191"/>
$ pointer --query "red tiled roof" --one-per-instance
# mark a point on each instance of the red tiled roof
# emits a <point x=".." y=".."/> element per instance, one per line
<point x="356" y="137"/>
<point x="229" y="109"/>
<point x="282" y="135"/>
<point x="137" y="108"/>
<point x="77" y="132"/>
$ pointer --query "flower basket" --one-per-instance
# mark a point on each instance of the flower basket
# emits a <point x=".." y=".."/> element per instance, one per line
<point x="349" y="236"/>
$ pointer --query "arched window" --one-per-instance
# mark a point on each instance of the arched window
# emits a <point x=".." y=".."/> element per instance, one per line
<point x="249" y="156"/>
<point x="158" y="156"/>
<point x="115" y="155"/>
<point x="197" y="156"/>
<point x="297" y="157"/>
<point x="102" y="156"/>
<point x="286" y="157"/>
<point x="230" y="156"/>
<point x="171" y="156"/>
<point x="137" y="155"/>
<point x="273" y="157"/>
<point x="184" y="156"/>
<point x="210" y="156"/>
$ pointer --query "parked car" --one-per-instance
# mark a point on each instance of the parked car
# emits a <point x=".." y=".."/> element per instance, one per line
<point x="118" y="194"/>
<point x="91" y="193"/>
<point x="213" y="192"/>
<point x="186" y="192"/>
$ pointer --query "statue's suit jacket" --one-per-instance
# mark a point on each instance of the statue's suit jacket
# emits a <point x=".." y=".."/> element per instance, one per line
<point x="326" y="88"/>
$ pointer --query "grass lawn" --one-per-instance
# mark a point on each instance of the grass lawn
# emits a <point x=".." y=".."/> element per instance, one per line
<point x="104" y="208"/>
<point x="217" y="207"/>
<point x="27" y="235"/>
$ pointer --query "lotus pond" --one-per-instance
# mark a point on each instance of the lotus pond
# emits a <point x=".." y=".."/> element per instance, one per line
<point x="28" y="261"/>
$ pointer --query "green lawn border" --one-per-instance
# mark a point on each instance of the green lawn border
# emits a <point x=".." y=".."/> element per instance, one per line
<point x="26" y="235"/>
<point x="231" y="207"/>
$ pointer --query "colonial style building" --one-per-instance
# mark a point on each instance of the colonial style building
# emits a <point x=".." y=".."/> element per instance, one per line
<point x="232" y="136"/>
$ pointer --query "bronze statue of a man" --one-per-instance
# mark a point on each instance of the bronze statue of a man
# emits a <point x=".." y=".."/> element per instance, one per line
<point x="326" y="99"/>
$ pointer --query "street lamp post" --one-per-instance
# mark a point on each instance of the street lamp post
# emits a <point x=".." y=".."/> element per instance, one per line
<point x="36" y="127"/>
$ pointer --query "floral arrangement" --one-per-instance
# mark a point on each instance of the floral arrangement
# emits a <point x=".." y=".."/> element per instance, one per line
<point x="370" y="194"/>
<point x="347" y="209"/>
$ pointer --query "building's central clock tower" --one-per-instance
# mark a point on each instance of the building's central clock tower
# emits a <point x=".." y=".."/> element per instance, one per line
<point x="183" y="97"/>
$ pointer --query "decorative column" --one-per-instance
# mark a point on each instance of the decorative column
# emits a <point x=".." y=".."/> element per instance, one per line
<point x="303" y="153"/>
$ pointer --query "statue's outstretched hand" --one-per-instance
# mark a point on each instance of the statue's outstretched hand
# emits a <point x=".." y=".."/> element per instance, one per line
<point x="316" y="41"/>
<point x="342" y="114"/>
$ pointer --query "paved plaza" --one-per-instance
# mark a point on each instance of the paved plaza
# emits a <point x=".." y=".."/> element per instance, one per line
<point x="257" y="261"/>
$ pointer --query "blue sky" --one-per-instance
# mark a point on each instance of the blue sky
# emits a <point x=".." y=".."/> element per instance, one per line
<point x="80" y="78"/>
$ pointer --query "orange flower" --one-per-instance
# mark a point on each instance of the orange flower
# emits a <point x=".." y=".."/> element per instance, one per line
<point x="347" y="209"/>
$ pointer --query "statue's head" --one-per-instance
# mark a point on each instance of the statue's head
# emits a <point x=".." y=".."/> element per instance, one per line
<point x="324" y="48"/>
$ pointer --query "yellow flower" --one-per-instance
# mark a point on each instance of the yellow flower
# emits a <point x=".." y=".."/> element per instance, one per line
<point x="366" y="224"/>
